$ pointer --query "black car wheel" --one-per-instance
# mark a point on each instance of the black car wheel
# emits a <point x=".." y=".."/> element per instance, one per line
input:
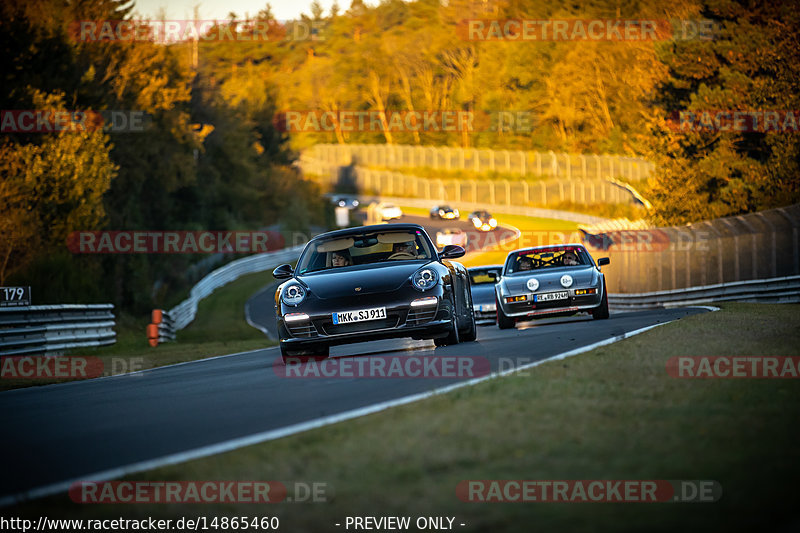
<point x="453" y="336"/>
<point x="504" y="321"/>
<point x="471" y="333"/>
<point x="601" y="312"/>
<point x="318" y="353"/>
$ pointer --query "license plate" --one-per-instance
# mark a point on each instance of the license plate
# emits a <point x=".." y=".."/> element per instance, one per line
<point x="486" y="307"/>
<point x="361" y="315"/>
<point x="550" y="296"/>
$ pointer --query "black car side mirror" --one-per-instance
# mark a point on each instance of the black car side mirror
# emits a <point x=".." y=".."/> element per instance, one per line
<point x="603" y="261"/>
<point x="452" y="251"/>
<point x="283" y="272"/>
<point x="492" y="276"/>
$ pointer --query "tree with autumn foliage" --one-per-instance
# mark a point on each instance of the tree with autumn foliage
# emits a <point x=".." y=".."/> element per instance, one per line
<point x="751" y="63"/>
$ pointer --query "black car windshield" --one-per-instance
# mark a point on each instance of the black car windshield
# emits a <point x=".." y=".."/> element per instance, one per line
<point x="542" y="258"/>
<point x="364" y="249"/>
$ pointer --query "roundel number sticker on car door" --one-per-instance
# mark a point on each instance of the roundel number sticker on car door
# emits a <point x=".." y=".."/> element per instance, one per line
<point x="532" y="284"/>
<point x="566" y="281"/>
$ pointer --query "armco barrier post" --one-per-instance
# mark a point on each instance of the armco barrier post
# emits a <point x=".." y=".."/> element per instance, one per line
<point x="152" y="334"/>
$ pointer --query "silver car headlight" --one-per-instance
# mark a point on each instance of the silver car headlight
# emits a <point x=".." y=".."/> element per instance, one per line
<point x="293" y="294"/>
<point x="424" y="279"/>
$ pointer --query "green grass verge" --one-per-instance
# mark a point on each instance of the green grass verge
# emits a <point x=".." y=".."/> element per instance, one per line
<point x="612" y="413"/>
<point x="219" y="328"/>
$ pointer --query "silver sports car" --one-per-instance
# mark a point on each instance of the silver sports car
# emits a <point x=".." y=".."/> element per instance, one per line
<point x="553" y="280"/>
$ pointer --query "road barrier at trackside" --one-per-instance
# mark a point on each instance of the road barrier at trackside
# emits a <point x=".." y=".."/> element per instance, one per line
<point x="54" y="329"/>
<point x="489" y="192"/>
<point x="504" y="209"/>
<point x="548" y="164"/>
<point x="161" y="328"/>
<point x="166" y="323"/>
<point x="776" y="290"/>
<point x="757" y="246"/>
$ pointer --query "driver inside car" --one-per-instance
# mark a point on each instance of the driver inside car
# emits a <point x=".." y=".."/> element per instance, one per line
<point x="570" y="259"/>
<point x="403" y="249"/>
<point x="341" y="258"/>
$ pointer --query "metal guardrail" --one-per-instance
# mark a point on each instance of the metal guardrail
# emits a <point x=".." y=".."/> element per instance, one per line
<point x="161" y="328"/>
<point x="183" y="314"/>
<point x="497" y="192"/>
<point x="756" y="246"/>
<point x="538" y="212"/>
<point x="53" y="329"/>
<point x="550" y="164"/>
<point x="774" y="290"/>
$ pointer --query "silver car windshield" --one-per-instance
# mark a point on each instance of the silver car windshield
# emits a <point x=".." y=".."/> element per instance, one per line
<point x="363" y="249"/>
<point x="547" y="258"/>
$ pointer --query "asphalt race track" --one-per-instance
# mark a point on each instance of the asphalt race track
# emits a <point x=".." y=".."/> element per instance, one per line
<point x="477" y="240"/>
<point x="69" y="431"/>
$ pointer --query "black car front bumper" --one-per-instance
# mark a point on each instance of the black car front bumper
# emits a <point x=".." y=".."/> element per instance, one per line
<point x="402" y="320"/>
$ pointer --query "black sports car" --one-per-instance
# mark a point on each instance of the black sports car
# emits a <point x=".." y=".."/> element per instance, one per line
<point x="444" y="212"/>
<point x="483" y="220"/>
<point x="372" y="282"/>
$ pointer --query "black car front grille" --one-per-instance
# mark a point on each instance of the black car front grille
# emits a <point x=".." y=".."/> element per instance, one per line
<point x="329" y="328"/>
<point x="302" y="329"/>
<point x="421" y="315"/>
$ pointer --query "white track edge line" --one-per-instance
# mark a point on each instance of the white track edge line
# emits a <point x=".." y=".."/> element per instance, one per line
<point x="258" y="438"/>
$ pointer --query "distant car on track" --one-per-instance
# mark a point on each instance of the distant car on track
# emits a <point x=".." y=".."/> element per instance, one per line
<point x="482" y="281"/>
<point x="350" y="202"/>
<point x="450" y="236"/>
<point x="372" y="282"/>
<point x="482" y="220"/>
<point x="389" y="211"/>
<point x="553" y="280"/>
<point x="444" y="212"/>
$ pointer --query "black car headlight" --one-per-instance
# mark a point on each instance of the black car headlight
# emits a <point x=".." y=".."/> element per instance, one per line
<point x="424" y="279"/>
<point x="293" y="294"/>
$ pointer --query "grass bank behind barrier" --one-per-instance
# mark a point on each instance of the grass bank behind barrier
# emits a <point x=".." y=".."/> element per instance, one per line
<point x="219" y="328"/>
